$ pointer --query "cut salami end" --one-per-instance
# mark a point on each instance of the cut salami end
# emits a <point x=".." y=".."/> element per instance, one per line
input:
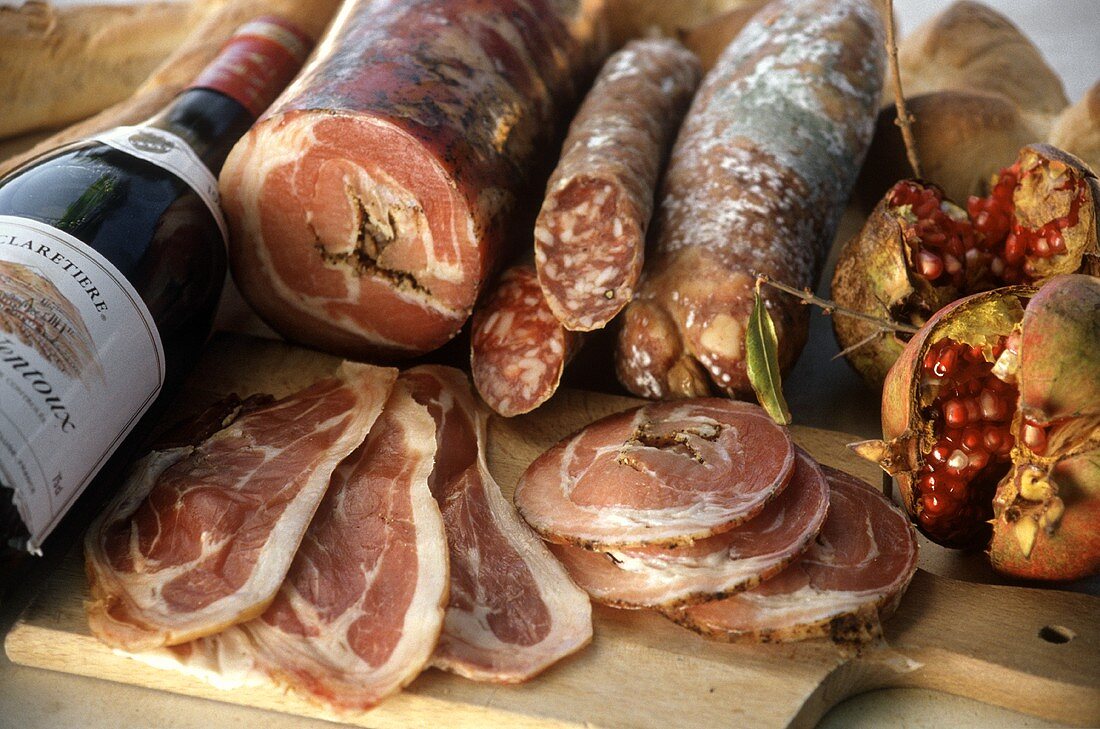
<point x="518" y="349"/>
<point x="663" y="474"/>
<point x="851" y="577"/>
<point x="712" y="568"/>
<point x="590" y="233"/>
<point x="201" y="537"/>
<point x="349" y="235"/>
<point x="513" y="610"/>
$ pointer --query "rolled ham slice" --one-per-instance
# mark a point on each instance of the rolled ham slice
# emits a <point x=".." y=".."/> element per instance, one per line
<point x="712" y="568"/>
<point x="658" y="475"/>
<point x="369" y="205"/>
<point x="513" y="610"/>
<point x="852" y="576"/>
<point x="201" y="537"/>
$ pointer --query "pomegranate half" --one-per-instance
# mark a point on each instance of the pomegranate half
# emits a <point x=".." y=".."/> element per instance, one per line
<point x="918" y="251"/>
<point x="991" y="426"/>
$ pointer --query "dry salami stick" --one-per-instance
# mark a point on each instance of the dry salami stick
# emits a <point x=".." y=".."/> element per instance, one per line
<point x="590" y="234"/>
<point x="518" y="349"/>
<point x="756" y="183"/>
<point x="367" y="208"/>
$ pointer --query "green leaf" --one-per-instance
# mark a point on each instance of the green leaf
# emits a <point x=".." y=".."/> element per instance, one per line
<point x="762" y="350"/>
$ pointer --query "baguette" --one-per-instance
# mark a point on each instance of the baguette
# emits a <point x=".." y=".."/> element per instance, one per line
<point x="1077" y="129"/>
<point x="979" y="90"/>
<point x="629" y="19"/>
<point x="62" y="64"/>
<point x="198" y="48"/>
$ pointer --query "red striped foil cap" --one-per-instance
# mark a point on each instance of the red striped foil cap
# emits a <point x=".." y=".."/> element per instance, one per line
<point x="257" y="62"/>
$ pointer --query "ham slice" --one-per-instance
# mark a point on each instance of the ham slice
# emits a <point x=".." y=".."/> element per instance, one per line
<point x="658" y="475"/>
<point x="513" y="610"/>
<point x="710" y="568"/>
<point x="851" y="577"/>
<point x="360" y="611"/>
<point x="200" y="537"/>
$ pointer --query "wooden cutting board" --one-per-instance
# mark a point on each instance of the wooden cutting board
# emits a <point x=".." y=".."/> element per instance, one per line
<point x="1036" y="651"/>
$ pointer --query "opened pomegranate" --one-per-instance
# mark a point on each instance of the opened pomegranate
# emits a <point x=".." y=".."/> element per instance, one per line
<point x="918" y="251"/>
<point x="991" y="425"/>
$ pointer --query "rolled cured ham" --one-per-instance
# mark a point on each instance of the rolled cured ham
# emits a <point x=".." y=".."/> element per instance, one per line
<point x="513" y="610"/>
<point x="658" y="475"/>
<point x="852" y="576"/>
<point x="200" y="537"/>
<point x="368" y="206"/>
<point x="712" y="568"/>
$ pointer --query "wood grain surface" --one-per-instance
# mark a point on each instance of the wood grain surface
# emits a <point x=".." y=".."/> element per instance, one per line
<point x="1036" y="651"/>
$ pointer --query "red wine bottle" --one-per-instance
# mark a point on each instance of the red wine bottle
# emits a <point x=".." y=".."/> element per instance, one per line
<point x="112" y="261"/>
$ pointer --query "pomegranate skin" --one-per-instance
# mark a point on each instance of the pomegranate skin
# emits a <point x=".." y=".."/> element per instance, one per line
<point x="873" y="274"/>
<point x="877" y="272"/>
<point x="1047" y="509"/>
<point x="1068" y="549"/>
<point x="1060" y="351"/>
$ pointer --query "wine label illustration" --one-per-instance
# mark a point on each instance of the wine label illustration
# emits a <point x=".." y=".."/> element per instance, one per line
<point x="33" y="311"/>
<point x="80" y="362"/>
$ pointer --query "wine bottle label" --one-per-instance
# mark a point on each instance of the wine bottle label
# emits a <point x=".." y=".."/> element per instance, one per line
<point x="80" y="362"/>
<point x="170" y="152"/>
<point x="257" y="62"/>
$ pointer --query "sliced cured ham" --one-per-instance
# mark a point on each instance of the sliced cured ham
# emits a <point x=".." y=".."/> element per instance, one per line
<point x="662" y="474"/>
<point x="369" y="205"/>
<point x="852" y="576"/>
<point x="716" y="567"/>
<point x="360" y="611"/>
<point x="513" y="610"/>
<point x="201" y="536"/>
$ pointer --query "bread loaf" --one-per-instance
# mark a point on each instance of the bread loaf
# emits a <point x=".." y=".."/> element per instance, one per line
<point x="198" y="48"/>
<point x="61" y="64"/>
<point x="979" y="90"/>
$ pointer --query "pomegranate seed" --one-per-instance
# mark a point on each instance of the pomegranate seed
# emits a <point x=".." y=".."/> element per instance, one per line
<point x="958" y="461"/>
<point x="1057" y="243"/>
<point x="997" y="266"/>
<point x="956" y="487"/>
<point x="979" y="460"/>
<point x="1035" y="438"/>
<point x="955" y="412"/>
<point x="931" y="265"/>
<point x="1014" y="249"/>
<point x="940" y="452"/>
<point x="991" y="405"/>
<point x="933" y="504"/>
<point x="952" y="264"/>
<point x="993" y="437"/>
<point x="972" y="439"/>
<point x="945" y="363"/>
<point x="973" y="409"/>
